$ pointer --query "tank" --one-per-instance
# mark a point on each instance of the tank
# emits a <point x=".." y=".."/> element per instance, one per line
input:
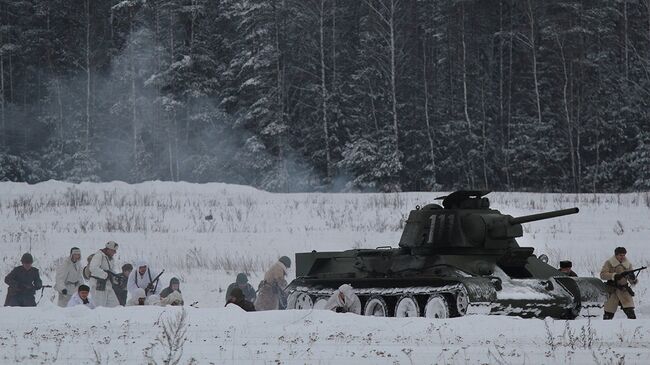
<point x="453" y="259"/>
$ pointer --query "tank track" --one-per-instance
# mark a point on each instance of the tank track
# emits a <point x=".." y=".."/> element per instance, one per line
<point x="391" y="295"/>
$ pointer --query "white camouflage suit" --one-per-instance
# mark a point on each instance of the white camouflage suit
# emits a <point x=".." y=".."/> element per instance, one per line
<point x="107" y="297"/>
<point x="137" y="281"/>
<point x="348" y="302"/>
<point x="68" y="277"/>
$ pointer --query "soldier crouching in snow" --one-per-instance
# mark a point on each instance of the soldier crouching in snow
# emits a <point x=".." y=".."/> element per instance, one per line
<point x="101" y="266"/>
<point x="343" y="300"/>
<point x="82" y="297"/>
<point x="237" y="298"/>
<point x="23" y="283"/>
<point x="68" y="277"/>
<point x="142" y="277"/>
<point x="618" y="287"/>
<point x="271" y="289"/>
<point x="138" y="297"/>
<point x="171" y="295"/>
<point x="246" y="288"/>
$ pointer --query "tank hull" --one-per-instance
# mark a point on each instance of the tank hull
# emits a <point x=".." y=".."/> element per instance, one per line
<point x="545" y="293"/>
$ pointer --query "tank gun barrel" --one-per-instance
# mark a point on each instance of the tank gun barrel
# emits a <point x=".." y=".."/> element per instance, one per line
<point x="545" y="215"/>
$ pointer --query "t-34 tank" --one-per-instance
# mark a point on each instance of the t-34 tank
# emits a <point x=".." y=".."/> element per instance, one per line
<point x="454" y="259"/>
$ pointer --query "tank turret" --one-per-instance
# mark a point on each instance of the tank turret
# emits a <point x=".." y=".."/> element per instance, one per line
<point x="455" y="258"/>
<point x="467" y="221"/>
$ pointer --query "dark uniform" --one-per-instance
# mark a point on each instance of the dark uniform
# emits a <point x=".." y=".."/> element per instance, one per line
<point x="565" y="267"/>
<point x="168" y="290"/>
<point x="248" y="291"/>
<point x="23" y="284"/>
<point x="242" y="283"/>
<point x="120" y="290"/>
<point x="122" y="279"/>
<point x="237" y="298"/>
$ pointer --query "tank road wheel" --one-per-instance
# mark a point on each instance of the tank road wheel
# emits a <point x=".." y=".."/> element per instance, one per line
<point x="320" y="303"/>
<point x="462" y="302"/>
<point x="376" y="306"/>
<point x="299" y="300"/>
<point x="436" y="307"/>
<point x="407" y="306"/>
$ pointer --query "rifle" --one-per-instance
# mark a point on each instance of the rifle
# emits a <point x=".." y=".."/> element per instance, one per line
<point x="116" y="279"/>
<point x="631" y="272"/>
<point x="623" y="274"/>
<point x="42" y="291"/>
<point x="150" y="286"/>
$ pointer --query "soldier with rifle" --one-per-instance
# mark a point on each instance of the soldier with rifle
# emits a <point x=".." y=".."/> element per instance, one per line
<point x="142" y="277"/>
<point x="101" y="276"/>
<point x="23" y="281"/>
<point x="619" y="274"/>
<point x="271" y="291"/>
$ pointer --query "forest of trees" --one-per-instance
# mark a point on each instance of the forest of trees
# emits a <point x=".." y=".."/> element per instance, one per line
<point x="329" y="95"/>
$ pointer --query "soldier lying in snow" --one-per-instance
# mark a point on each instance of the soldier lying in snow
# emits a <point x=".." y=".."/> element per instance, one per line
<point x="344" y="300"/>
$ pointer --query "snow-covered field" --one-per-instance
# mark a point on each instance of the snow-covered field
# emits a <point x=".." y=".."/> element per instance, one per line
<point x="165" y="223"/>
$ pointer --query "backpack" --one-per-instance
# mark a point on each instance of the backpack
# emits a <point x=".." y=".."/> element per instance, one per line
<point x="86" y="270"/>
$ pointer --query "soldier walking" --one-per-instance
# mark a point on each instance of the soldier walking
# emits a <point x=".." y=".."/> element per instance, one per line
<point x="68" y="277"/>
<point x="619" y="291"/>
<point x="271" y="289"/>
<point x="101" y="266"/>
<point x="23" y="283"/>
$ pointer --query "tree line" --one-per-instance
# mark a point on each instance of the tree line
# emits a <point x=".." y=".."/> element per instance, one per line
<point x="328" y="95"/>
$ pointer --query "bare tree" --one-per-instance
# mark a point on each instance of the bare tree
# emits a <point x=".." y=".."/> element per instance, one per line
<point x="87" y="67"/>
<point x="533" y="47"/>
<point x="386" y="11"/>
<point x="2" y="92"/>
<point x="427" y="119"/>
<point x="464" y="53"/>
<point x="321" y="33"/>
<point x="567" y="115"/>
<point x="170" y="341"/>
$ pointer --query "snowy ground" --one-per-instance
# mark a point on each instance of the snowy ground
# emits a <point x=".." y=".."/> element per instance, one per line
<point x="165" y="222"/>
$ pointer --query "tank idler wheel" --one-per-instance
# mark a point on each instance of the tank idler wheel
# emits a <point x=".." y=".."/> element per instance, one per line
<point x="407" y="306"/>
<point x="437" y="307"/>
<point x="299" y="300"/>
<point x="320" y="303"/>
<point x="462" y="302"/>
<point x="376" y="306"/>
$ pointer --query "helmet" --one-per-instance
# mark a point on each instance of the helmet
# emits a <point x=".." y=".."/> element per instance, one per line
<point x="242" y="278"/>
<point x="27" y="258"/>
<point x="286" y="261"/>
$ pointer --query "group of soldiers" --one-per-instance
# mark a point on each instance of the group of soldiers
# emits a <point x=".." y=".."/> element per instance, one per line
<point x="95" y="285"/>
<point x="98" y="285"/>
<point x="619" y="275"/>
<point x="271" y="293"/>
